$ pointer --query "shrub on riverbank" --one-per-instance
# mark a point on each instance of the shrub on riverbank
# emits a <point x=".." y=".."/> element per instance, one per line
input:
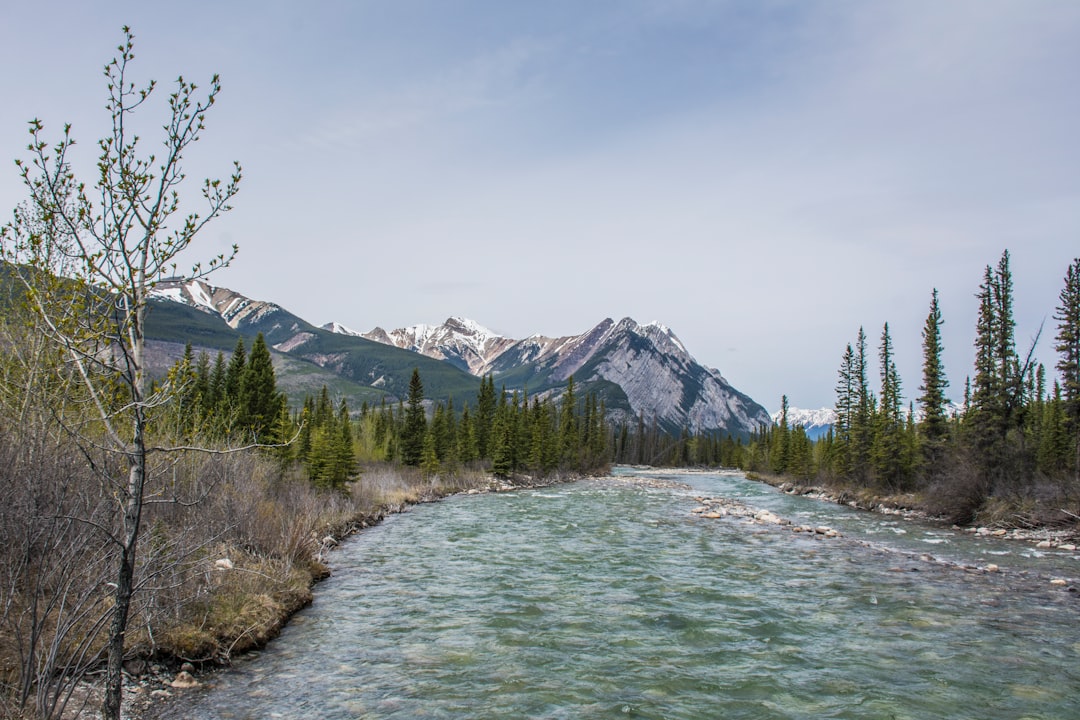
<point x="217" y="576"/>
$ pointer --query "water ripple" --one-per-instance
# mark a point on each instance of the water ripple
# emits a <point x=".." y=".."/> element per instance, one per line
<point x="609" y="600"/>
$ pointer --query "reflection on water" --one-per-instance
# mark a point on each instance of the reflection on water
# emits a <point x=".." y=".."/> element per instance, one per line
<point x="609" y="599"/>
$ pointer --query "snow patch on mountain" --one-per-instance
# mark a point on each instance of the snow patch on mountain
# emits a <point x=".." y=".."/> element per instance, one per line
<point x="340" y="329"/>
<point x="460" y="341"/>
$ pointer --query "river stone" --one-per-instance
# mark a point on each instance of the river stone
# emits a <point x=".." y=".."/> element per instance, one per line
<point x="184" y="680"/>
<point x="1059" y="582"/>
<point x="1067" y="546"/>
<point x="1045" y="544"/>
<point x="1000" y="533"/>
<point x="991" y="568"/>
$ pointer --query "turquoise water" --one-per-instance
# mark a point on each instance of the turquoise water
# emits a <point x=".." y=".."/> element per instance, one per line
<point x="604" y="599"/>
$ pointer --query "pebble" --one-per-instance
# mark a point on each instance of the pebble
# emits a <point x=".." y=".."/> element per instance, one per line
<point x="184" y="680"/>
<point x="992" y="568"/>
<point x="1059" y="582"/>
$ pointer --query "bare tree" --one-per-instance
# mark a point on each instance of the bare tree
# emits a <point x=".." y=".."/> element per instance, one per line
<point x="101" y="249"/>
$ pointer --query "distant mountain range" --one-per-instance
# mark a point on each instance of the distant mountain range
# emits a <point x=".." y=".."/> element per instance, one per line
<point x="818" y="423"/>
<point x="637" y="370"/>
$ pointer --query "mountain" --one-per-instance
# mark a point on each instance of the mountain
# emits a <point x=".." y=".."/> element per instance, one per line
<point x="638" y="370"/>
<point x="817" y="423"/>
<point x="305" y="356"/>
<point x="460" y="342"/>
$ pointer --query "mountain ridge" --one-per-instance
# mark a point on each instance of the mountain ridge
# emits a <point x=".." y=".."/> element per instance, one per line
<point x="640" y="372"/>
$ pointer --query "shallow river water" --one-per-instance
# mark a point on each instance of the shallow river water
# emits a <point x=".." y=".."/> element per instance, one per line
<point x="609" y="599"/>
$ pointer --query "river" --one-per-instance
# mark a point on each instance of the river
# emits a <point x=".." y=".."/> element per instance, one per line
<point x="610" y="599"/>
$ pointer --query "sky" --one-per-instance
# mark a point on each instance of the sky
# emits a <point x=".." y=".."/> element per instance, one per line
<point x="764" y="178"/>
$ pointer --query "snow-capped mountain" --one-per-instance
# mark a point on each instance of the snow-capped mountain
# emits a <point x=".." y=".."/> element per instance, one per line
<point x="817" y="423"/>
<point x="657" y="378"/>
<point x="641" y="372"/>
<point x="341" y="329"/>
<point x="231" y="306"/>
<point x="461" y="342"/>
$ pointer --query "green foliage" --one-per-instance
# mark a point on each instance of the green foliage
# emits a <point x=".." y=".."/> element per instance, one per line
<point x="415" y="428"/>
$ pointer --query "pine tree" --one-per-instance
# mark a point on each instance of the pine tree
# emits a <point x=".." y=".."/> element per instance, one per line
<point x="485" y="415"/>
<point x="215" y="397"/>
<point x="1068" y="347"/>
<point x="344" y="452"/>
<point x="935" y="424"/>
<point x="231" y="389"/>
<point x="846" y="404"/>
<point x="861" y="424"/>
<point x="258" y="391"/>
<point x="466" y="438"/>
<point x="568" y="426"/>
<point x="415" y="423"/>
<point x="888" y="446"/>
<point x="996" y="387"/>
<point x="780" y="450"/>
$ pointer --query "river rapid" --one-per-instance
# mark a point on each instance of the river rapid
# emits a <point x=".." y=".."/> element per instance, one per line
<point x="611" y="599"/>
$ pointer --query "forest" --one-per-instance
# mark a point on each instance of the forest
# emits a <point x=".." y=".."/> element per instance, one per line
<point x="1009" y="454"/>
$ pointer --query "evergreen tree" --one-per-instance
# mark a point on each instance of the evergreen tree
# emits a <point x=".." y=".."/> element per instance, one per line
<point x="466" y="438"/>
<point x="258" y="391"/>
<point x="861" y="422"/>
<point x="846" y="405"/>
<point x="415" y="423"/>
<point x="344" y="452"/>
<point x="888" y="448"/>
<point x="215" y="396"/>
<point x="996" y="385"/>
<point x="485" y="415"/>
<point x="780" y="447"/>
<point x="1068" y="364"/>
<point x="935" y="425"/>
<point x="568" y="427"/>
<point x="231" y="402"/>
<point x="429" y="457"/>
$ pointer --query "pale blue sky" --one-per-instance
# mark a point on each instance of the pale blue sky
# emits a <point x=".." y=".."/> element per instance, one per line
<point x="762" y="177"/>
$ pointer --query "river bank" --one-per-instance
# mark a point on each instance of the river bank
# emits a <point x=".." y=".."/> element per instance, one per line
<point x="1064" y="537"/>
<point x="608" y="598"/>
<point x="164" y="689"/>
<point x="155" y="682"/>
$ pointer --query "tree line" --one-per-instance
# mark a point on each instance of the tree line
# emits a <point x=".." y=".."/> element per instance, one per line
<point x="506" y="432"/>
<point x="1015" y="437"/>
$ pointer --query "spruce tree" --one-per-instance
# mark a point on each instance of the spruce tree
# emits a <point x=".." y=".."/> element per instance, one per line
<point x="234" y="378"/>
<point x="415" y="423"/>
<point x="846" y="404"/>
<point x="1068" y="364"/>
<point x="568" y="426"/>
<point x="887" y="451"/>
<point x="935" y="424"/>
<point x="258" y="391"/>
<point x="780" y="450"/>
<point x="485" y="415"/>
<point x="861" y="424"/>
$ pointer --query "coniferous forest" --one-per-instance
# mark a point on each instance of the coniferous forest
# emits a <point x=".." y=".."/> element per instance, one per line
<point x="1009" y="454"/>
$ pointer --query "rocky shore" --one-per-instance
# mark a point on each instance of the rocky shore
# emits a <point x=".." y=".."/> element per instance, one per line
<point x="714" y="508"/>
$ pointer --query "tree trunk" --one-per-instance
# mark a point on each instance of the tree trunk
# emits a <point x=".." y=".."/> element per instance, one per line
<point x="125" y="576"/>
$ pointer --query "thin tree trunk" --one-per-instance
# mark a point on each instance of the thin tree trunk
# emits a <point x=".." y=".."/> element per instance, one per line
<point x="125" y="578"/>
